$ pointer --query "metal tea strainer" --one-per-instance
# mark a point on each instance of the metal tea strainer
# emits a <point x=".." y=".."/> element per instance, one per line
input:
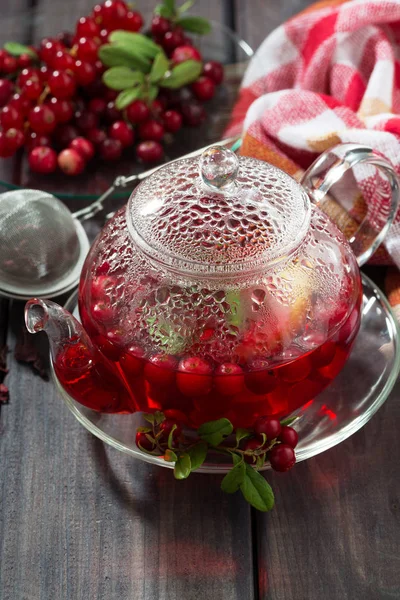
<point x="43" y="245"/>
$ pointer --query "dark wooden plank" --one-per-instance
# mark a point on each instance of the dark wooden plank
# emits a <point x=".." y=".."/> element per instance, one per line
<point x="82" y="521"/>
<point x="336" y="528"/>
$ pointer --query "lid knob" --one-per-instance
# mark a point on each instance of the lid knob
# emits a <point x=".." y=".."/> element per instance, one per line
<point x="218" y="167"/>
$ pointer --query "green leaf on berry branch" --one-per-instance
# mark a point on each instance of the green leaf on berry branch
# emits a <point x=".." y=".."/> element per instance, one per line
<point x="185" y="6"/>
<point x="120" y="55"/>
<point x="194" y="24"/>
<point x="17" y="49"/>
<point x="122" y="78"/>
<point x="242" y="434"/>
<point x="198" y="454"/>
<point x="257" y="491"/>
<point x="234" y="479"/>
<point x="159" y="68"/>
<point x="171" y="437"/>
<point x="214" y="432"/>
<point x="182" y="74"/>
<point x="170" y="456"/>
<point x="127" y="96"/>
<point x="135" y="41"/>
<point x="289" y="420"/>
<point x="182" y="466"/>
<point x="163" y="11"/>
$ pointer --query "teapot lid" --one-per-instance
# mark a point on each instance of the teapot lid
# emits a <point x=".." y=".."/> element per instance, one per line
<point x="218" y="214"/>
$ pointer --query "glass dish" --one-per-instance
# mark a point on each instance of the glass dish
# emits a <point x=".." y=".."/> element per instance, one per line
<point x="339" y="411"/>
<point x="221" y="44"/>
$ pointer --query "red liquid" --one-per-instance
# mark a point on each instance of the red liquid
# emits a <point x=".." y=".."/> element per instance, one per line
<point x="129" y="382"/>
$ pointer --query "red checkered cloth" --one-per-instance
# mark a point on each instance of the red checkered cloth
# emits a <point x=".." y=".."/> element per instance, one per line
<point x="331" y="74"/>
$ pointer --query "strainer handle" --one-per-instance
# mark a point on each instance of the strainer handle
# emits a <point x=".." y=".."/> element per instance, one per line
<point x="330" y="167"/>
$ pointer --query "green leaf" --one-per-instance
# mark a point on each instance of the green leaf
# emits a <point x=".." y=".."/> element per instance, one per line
<point x="159" y="68"/>
<point x="234" y="479"/>
<point x="214" y="432"/>
<point x="127" y="96"/>
<point x="185" y="6"/>
<point x="144" y="430"/>
<point x="122" y="78"/>
<point x="260" y="461"/>
<point x="194" y="24"/>
<point x="159" y="417"/>
<point x="170" y="456"/>
<point x="152" y="92"/>
<point x="257" y="491"/>
<point x="182" y="466"/>
<point x="197" y="454"/>
<point x="119" y="55"/>
<point x="137" y="42"/>
<point x="163" y="11"/>
<point x="242" y="434"/>
<point x="171" y="437"/>
<point x="149" y="417"/>
<point x="289" y="420"/>
<point x="170" y="5"/>
<point x="17" y="49"/>
<point x="182" y="74"/>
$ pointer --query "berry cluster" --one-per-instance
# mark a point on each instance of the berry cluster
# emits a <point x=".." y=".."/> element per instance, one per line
<point x="270" y="440"/>
<point x="56" y="100"/>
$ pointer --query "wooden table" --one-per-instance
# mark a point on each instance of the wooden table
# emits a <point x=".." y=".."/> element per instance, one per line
<point x="81" y="521"/>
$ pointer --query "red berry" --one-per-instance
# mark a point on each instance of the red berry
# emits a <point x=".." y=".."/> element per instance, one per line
<point x="282" y="457"/>
<point x="193" y="114"/>
<point x="6" y="90"/>
<point x="97" y="106"/>
<point x="194" y="377"/>
<point x="183" y="53"/>
<point x="113" y="13"/>
<point x="87" y="49"/>
<point x="43" y="74"/>
<point x="214" y="70"/>
<point x="137" y="112"/>
<point x="251" y="444"/>
<point x="71" y="162"/>
<point x="24" y="61"/>
<point x="26" y="75"/>
<point x="270" y="426"/>
<point x="63" y="109"/>
<point x="86" y="120"/>
<point x="172" y="121"/>
<point x="43" y="160"/>
<point x="229" y="379"/>
<point x="64" y="135"/>
<point x="62" y="85"/>
<point x="133" y="21"/>
<point x="48" y="50"/>
<point x="149" y="152"/>
<point x="260" y="380"/>
<point x="110" y="95"/>
<point x="160" y="370"/>
<point x="32" y="89"/>
<point x="84" y="147"/>
<point x="172" y="39"/>
<point x="110" y="149"/>
<point x="6" y="150"/>
<point x="143" y="442"/>
<point x="66" y="38"/>
<point x="15" y="138"/>
<point x="42" y="119"/>
<point x="96" y="136"/>
<point x="203" y="88"/>
<point x="36" y="139"/>
<point x="112" y="113"/>
<point x="157" y="108"/>
<point x="132" y="361"/>
<point x="104" y="35"/>
<point x="21" y="104"/>
<point x="87" y="27"/>
<point x="63" y="61"/>
<point x="85" y="72"/>
<point x="151" y="130"/>
<point x="10" y="65"/>
<point x="288" y="436"/>
<point x="99" y="67"/>
<point x="3" y="54"/>
<point x="160" y="25"/>
<point x="166" y="427"/>
<point x="122" y="131"/>
<point x="11" y="117"/>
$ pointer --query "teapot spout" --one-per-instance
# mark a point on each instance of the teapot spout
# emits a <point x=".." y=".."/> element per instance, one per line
<point x="61" y="327"/>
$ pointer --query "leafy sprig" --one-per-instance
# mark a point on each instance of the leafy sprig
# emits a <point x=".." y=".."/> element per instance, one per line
<point x="216" y="436"/>
<point x="173" y="13"/>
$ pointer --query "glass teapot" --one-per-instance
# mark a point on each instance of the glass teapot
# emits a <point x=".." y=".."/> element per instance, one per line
<point x="220" y="290"/>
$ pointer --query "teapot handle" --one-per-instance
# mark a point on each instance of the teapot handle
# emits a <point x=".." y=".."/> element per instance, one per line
<point x="329" y="168"/>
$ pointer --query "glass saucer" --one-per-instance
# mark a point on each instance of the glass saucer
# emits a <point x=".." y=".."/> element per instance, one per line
<point x="334" y="415"/>
<point x="221" y="44"/>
